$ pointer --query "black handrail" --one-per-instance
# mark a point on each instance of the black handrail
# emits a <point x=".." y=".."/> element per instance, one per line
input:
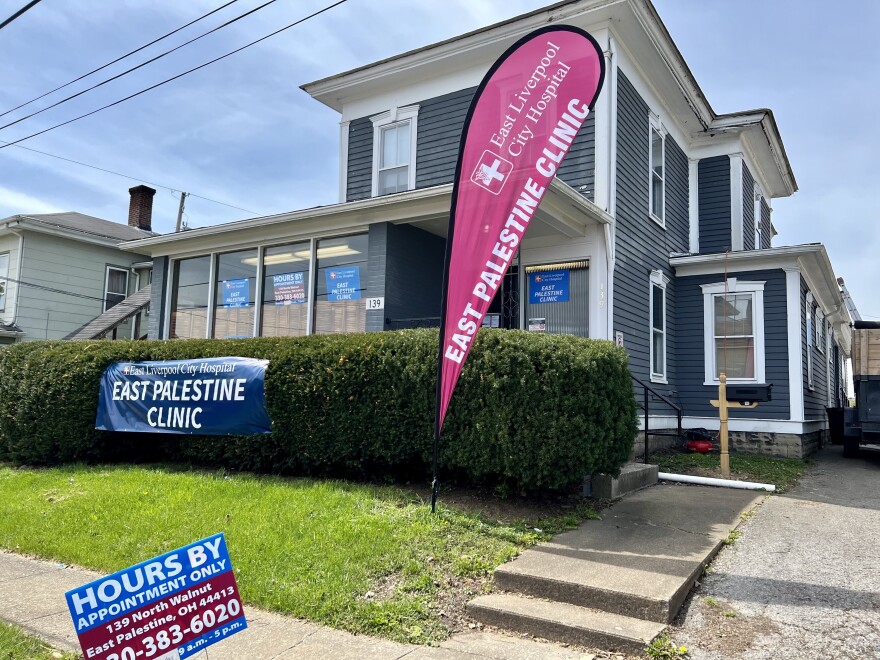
<point x="648" y="389"/>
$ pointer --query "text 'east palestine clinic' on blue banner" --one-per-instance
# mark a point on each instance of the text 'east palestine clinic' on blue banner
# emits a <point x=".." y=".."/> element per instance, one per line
<point x="211" y="396"/>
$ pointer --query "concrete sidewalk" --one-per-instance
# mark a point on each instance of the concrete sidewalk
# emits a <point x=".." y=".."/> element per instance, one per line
<point x="32" y="597"/>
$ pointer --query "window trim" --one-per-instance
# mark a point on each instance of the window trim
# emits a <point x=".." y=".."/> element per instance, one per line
<point x="4" y="281"/>
<point x="407" y="114"/>
<point x="657" y="280"/>
<point x="758" y="197"/>
<point x="808" y="316"/>
<point x="655" y="126"/>
<point x="107" y="292"/>
<point x="734" y="286"/>
<point x="820" y="330"/>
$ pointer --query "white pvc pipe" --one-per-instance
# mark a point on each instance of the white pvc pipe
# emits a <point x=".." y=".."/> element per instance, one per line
<point x="711" y="481"/>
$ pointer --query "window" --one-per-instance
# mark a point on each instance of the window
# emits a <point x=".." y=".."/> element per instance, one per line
<point x="286" y="290"/>
<point x="820" y="328"/>
<point x="340" y="280"/>
<point x="115" y="286"/>
<point x="189" y="298"/>
<point x="808" y="315"/>
<point x="658" y="326"/>
<point x="829" y="371"/>
<point x="394" y="150"/>
<point x="4" y="274"/>
<point x="657" y="188"/>
<point x="234" y="302"/>
<point x="734" y="331"/>
<point x="758" y="245"/>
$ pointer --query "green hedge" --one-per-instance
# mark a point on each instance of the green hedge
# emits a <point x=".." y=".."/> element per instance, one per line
<point x="531" y="411"/>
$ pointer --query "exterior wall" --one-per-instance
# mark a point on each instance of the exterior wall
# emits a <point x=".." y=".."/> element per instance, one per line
<point x="766" y="226"/>
<point x="439" y="134"/>
<point x="693" y="394"/>
<point x="413" y="273"/>
<point x="438" y="138"/>
<point x="158" y="296"/>
<point x="779" y="445"/>
<point x="714" y="207"/>
<point x="78" y="269"/>
<point x="748" y="223"/>
<point x="9" y="244"/>
<point x="815" y="397"/>
<point x="641" y="244"/>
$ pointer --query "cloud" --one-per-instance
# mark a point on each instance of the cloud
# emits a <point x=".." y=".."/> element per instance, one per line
<point x="13" y="202"/>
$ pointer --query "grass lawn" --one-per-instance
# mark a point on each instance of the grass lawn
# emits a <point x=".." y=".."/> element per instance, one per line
<point x="16" y="645"/>
<point x="782" y="472"/>
<point x="363" y="558"/>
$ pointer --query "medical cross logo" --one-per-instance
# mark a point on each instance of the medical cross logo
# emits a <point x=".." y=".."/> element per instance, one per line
<point x="491" y="172"/>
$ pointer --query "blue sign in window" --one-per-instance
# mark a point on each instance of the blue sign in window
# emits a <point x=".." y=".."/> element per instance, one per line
<point x="344" y="283"/>
<point x="236" y="293"/>
<point x="550" y="286"/>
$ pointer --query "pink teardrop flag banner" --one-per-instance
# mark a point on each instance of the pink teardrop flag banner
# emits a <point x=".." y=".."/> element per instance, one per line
<point x="521" y="123"/>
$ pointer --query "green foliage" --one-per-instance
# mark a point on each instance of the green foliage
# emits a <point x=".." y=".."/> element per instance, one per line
<point x="663" y="647"/>
<point x="16" y="645"/>
<point x="531" y="411"/>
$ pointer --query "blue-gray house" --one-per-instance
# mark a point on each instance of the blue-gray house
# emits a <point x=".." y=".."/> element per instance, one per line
<point x="660" y="215"/>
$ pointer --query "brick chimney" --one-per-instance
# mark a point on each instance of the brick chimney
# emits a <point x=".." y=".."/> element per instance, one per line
<point x="140" y="209"/>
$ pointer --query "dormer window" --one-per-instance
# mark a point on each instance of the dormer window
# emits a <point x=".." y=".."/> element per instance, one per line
<point x="394" y="150"/>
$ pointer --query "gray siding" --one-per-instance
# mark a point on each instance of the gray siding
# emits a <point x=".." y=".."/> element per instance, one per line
<point x="766" y="225"/>
<point x="440" y="122"/>
<point x="641" y="244"/>
<point x="413" y="273"/>
<point x="693" y="395"/>
<point x="377" y="251"/>
<point x="714" y="195"/>
<point x="359" y="184"/>
<point x="748" y="209"/>
<point x="156" y="324"/>
<point x="815" y="397"/>
<point x="439" y="134"/>
<point x="578" y="168"/>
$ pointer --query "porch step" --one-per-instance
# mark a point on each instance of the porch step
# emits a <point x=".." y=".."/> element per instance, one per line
<point x="563" y="622"/>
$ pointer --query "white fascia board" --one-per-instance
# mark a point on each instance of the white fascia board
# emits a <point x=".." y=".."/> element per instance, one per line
<point x="736" y="202"/>
<point x="743" y="261"/>
<point x="819" y="274"/>
<point x="753" y="425"/>
<point x="693" y="206"/>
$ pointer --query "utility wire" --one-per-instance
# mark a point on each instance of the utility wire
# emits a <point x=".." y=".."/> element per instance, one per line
<point x="180" y="75"/>
<point x="118" y="59"/>
<point x="18" y="13"/>
<point x="133" y="178"/>
<point x="139" y="66"/>
<point x="50" y="289"/>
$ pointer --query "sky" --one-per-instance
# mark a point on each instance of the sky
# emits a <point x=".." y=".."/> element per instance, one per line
<point x="243" y="133"/>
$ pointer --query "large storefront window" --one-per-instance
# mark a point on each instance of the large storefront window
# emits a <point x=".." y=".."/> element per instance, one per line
<point x="340" y="282"/>
<point x="234" y="299"/>
<point x="285" y="309"/>
<point x="189" y="301"/>
<point x="558" y="298"/>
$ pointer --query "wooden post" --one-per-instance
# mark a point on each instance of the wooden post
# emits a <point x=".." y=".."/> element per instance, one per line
<point x="722" y="413"/>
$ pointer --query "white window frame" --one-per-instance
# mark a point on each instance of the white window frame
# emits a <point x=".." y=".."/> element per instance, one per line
<point x="656" y="127"/>
<point x="829" y="352"/>
<point x="406" y="115"/>
<point x="658" y="281"/>
<point x="808" y="316"/>
<point x="820" y="330"/>
<point x="107" y="284"/>
<point x="757" y="217"/>
<point x="733" y="286"/>
<point x="4" y="280"/>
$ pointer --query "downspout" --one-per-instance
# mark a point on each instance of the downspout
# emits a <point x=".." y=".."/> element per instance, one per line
<point x="610" y="230"/>
<point x="18" y="272"/>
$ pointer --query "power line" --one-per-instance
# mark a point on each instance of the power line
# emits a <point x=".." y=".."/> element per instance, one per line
<point x="133" y="178"/>
<point x="50" y="289"/>
<point x="180" y="75"/>
<point x="139" y="66"/>
<point x="18" y="13"/>
<point x="118" y="59"/>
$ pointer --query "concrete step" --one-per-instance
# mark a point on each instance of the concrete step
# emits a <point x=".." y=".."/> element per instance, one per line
<point x="633" y="477"/>
<point x="563" y="622"/>
<point x="640" y="560"/>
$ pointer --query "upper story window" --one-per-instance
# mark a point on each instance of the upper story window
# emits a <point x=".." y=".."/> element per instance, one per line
<point x="115" y="286"/>
<point x="4" y="274"/>
<point x="657" y="174"/>
<point x="820" y="330"/>
<point x="758" y="245"/>
<point x="734" y="331"/>
<point x="394" y="150"/>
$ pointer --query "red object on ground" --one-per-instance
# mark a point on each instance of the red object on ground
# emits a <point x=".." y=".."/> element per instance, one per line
<point x="700" y="446"/>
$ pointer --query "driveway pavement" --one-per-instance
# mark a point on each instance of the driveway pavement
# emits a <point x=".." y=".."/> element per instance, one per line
<point x="803" y="579"/>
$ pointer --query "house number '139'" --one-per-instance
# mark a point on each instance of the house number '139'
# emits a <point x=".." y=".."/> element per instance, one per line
<point x="375" y="303"/>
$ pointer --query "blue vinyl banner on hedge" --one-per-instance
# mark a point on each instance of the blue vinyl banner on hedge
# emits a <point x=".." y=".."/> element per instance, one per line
<point x="210" y="396"/>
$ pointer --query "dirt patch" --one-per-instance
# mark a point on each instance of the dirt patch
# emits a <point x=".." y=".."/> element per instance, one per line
<point x="724" y="630"/>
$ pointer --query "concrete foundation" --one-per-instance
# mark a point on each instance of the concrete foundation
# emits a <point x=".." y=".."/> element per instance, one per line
<point x="780" y="445"/>
<point x="633" y="477"/>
